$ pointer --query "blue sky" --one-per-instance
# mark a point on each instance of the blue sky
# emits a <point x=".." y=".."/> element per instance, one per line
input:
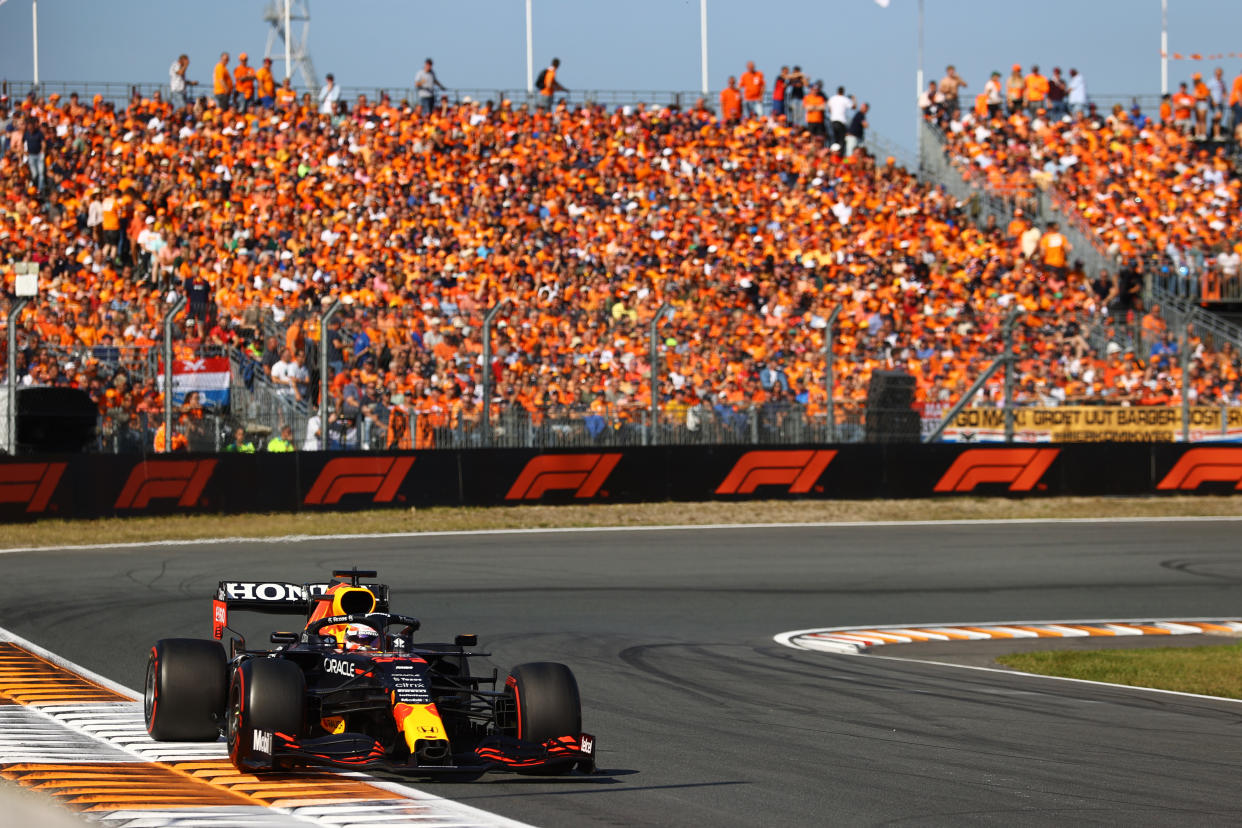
<point x="640" y="44"/>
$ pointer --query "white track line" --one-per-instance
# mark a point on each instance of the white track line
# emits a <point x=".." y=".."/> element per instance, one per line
<point x="680" y="527"/>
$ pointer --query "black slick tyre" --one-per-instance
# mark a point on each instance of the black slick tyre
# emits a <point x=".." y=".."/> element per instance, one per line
<point x="546" y="705"/>
<point x="267" y="696"/>
<point x="184" y="693"/>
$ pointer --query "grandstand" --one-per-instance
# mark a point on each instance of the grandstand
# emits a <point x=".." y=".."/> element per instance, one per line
<point x="770" y="246"/>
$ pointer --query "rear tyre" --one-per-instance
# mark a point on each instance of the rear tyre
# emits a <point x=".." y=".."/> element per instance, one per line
<point x="267" y="696"/>
<point x="545" y="705"/>
<point x="184" y="694"/>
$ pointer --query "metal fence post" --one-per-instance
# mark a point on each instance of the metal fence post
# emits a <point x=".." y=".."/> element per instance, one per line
<point x="487" y="369"/>
<point x="1185" y="360"/>
<point x="1009" y="377"/>
<point x="15" y="313"/>
<point x="168" y="370"/>
<point x="323" y="372"/>
<point x="666" y="308"/>
<point x="830" y="380"/>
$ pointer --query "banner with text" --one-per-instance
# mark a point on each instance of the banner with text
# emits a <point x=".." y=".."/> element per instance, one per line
<point x="1097" y="424"/>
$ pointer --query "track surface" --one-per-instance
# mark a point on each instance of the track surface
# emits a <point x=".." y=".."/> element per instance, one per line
<point x="702" y="718"/>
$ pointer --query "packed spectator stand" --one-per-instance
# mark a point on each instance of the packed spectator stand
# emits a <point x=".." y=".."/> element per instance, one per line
<point x="584" y="220"/>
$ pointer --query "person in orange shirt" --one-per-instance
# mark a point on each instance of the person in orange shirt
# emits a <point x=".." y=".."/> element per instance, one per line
<point x="245" y="82"/>
<point x="814" y="104"/>
<point x="1036" y="90"/>
<point x="730" y="103"/>
<point x="286" y="96"/>
<point x="1054" y="248"/>
<point x="222" y="82"/>
<point x="1183" y="108"/>
<point x="266" y="84"/>
<point x="549" y="85"/>
<point x="1202" y="105"/>
<point x="753" y="87"/>
<point x="1235" y="102"/>
<point x="1015" y="89"/>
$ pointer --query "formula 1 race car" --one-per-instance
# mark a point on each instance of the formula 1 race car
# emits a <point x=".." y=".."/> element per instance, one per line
<point x="353" y="690"/>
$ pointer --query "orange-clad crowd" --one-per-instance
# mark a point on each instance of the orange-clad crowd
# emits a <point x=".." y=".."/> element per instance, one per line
<point x="585" y="220"/>
<point x="1143" y="186"/>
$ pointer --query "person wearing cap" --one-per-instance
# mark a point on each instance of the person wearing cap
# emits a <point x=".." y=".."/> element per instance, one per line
<point x="1203" y="103"/>
<point x="425" y="85"/>
<point x="244" y="81"/>
<point x="1015" y="90"/>
<point x="266" y="84"/>
<point x="178" y="83"/>
<point x="222" y="82"/>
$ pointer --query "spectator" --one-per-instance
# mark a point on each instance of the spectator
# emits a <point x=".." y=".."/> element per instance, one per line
<point x="1076" y="92"/>
<point x="1036" y="91"/>
<point x="222" y="83"/>
<point x="245" y="82"/>
<point x="240" y="445"/>
<point x="856" y="133"/>
<point x="266" y="84"/>
<point x="730" y="103"/>
<point x="778" y="94"/>
<point x="816" y="108"/>
<point x="425" y="85"/>
<point x="282" y="444"/>
<point x="795" y="90"/>
<point x="993" y="95"/>
<point x="33" y="142"/>
<point x="839" y="110"/>
<point x="753" y="88"/>
<point x="950" y="88"/>
<point x="178" y="83"/>
<point x="1058" y="92"/>
<point x="329" y="95"/>
<point x="1015" y="90"/>
<point x="548" y="85"/>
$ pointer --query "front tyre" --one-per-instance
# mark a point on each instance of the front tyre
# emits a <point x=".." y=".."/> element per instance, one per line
<point x="184" y="693"/>
<point x="546" y="705"/>
<point x="267" y="696"/>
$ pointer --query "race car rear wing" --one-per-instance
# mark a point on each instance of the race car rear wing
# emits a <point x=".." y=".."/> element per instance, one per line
<point x="277" y="598"/>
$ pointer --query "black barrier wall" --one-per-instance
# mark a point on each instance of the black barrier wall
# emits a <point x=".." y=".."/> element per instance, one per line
<point x="80" y="486"/>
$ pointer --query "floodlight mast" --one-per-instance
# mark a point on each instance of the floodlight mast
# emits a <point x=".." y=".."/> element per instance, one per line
<point x="280" y="15"/>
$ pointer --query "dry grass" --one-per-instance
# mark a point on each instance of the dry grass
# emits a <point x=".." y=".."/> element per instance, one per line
<point x="1210" y="671"/>
<point x="129" y="530"/>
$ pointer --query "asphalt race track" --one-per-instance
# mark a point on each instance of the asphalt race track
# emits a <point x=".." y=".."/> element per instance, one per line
<point x="701" y="718"/>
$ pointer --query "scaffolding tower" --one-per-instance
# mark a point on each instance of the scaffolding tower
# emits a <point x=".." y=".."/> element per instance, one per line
<point x="281" y="15"/>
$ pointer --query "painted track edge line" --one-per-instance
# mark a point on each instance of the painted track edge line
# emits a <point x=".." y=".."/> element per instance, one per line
<point x="840" y="524"/>
<point x="1055" y="678"/>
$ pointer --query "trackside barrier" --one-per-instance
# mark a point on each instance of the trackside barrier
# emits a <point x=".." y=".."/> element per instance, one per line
<point x="82" y="486"/>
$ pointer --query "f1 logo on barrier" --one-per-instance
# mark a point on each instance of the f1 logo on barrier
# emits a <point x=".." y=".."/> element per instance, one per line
<point x="165" y="479"/>
<point x="1204" y="465"/>
<point x="376" y="476"/>
<point x="1021" y="468"/>
<point x="799" y="469"/>
<point x="30" y="483"/>
<point x="584" y="473"/>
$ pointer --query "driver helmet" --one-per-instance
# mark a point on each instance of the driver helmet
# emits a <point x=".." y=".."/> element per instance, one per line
<point x="358" y="637"/>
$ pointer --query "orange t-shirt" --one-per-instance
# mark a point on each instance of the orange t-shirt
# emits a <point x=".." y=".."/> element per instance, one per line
<point x="752" y="85"/>
<point x="267" y="83"/>
<point x="245" y="80"/>
<point x="730" y="103"/>
<point x="222" y="81"/>
<point x="814" y="104"/>
<point x="1036" y="88"/>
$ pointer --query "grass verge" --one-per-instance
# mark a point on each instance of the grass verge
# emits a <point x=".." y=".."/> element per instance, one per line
<point x="1210" y="670"/>
<point x="188" y="527"/>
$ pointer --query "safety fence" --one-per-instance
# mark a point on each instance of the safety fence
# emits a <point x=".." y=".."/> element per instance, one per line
<point x="80" y="486"/>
